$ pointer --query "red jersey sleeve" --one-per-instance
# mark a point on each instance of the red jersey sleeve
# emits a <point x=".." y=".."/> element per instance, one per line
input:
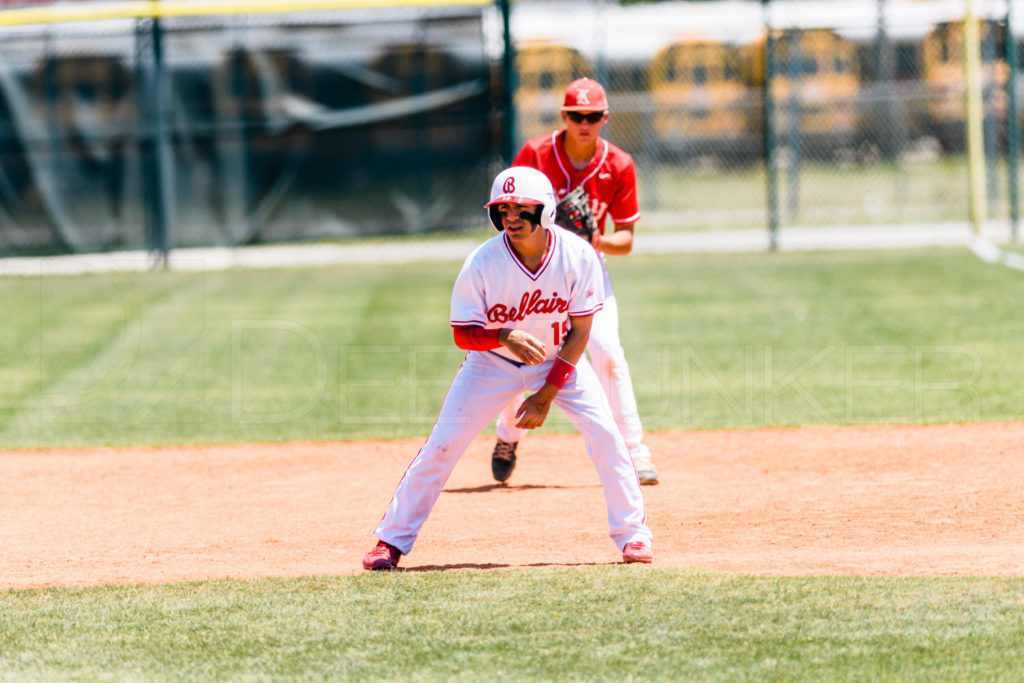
<point x="474" y="338"/>
<point x="624" y="207"/>
<point x="527" y="157"/>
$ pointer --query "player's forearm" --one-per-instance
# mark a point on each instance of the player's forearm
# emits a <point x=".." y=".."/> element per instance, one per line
<point x="618" y="243"/>
<point x="476" y="338"/>
<point x="575" y="343"/>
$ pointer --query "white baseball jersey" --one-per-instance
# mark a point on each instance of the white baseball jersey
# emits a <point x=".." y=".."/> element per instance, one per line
<point x="495" y="290"/>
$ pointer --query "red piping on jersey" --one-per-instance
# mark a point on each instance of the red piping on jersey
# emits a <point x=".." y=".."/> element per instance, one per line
<point x="584" y="314"/>
<point x="543" y="264"/>
<point x="564" y="164"/>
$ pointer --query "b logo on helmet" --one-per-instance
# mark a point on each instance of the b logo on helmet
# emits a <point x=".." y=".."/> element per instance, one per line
<point x="510" y="185"/>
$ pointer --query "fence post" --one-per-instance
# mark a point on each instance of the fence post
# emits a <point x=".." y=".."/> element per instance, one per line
<point x="508" y="148"/>
<point x="893" y="133"/>
<point x="154" y="140"/>
<point x="794" y="124"/>
<point x="56" y="145"/>
<point x="1013" y="126"/>
<point x="975" y="119"/>
<point x="770" y="146"/>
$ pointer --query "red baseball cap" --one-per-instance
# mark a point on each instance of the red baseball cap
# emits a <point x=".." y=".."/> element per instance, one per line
<point x="585" y="94"/>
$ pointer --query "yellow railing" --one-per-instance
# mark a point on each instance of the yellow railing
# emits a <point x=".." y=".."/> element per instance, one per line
<point x="91" y="11"/>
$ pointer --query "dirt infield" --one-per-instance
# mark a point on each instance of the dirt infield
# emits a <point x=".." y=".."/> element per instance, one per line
<point x="936" y="500"/>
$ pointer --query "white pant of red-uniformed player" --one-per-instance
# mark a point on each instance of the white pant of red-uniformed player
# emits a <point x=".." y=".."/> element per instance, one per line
<point x="609" y="362"/>
<point x="482" y="386"/>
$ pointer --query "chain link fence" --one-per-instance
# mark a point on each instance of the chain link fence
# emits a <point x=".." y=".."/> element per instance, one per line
<point x="859" y="105"/>
<point x="171" y="131"/>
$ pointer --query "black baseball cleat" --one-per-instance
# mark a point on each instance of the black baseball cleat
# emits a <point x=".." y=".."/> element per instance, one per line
<point x="503" y="460"/>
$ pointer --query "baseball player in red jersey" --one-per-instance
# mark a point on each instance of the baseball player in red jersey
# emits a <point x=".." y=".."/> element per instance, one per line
<point x="570" y="157"/>
<point x="522" y="308"/>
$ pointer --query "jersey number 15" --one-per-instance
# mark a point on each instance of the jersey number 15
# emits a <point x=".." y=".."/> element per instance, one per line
<point x="559" y="330"/>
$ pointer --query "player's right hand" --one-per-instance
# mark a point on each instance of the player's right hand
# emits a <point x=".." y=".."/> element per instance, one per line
<point x="524" y="345"/>
<point x="534" y="409"/>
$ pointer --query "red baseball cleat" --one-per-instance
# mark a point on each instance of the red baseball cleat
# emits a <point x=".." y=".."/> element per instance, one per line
<point x="384" y="556"/>
<point x="638" y="551"/>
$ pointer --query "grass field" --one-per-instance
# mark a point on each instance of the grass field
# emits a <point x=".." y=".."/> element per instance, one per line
<point x="601" y="623"/>
<point x="817" y="193"/>
<point x="365" y="352"/>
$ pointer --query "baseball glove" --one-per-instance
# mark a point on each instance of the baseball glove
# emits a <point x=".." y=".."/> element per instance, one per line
<point x="573" y="213"/>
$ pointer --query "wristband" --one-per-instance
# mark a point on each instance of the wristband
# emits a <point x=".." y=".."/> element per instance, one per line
<point x="560" y="372"/>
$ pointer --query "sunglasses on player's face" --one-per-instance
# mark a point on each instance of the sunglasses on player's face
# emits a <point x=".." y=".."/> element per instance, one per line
<point x="577" y="117"/>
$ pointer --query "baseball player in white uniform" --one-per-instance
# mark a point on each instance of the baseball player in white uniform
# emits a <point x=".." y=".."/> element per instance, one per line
<point x="522" y="307"/>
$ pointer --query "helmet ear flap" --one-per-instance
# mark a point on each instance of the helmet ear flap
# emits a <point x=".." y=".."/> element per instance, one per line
<point x="495" y="215"/>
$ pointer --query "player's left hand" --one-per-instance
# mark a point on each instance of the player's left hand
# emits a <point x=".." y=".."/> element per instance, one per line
<point x="527" y="347"/>
<point x="533" y="411"/>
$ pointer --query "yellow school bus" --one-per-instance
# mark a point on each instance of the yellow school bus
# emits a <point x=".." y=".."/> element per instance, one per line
<point x="942" y="65"/>
<point x="816" y="88"/>
<point x="702" y="101"/>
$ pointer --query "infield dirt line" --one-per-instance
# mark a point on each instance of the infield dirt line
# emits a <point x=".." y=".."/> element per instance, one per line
<point x="893" y="500"/>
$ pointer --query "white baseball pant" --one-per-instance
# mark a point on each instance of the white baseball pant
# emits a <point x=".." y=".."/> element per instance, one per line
<point x="484" y="383"/>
